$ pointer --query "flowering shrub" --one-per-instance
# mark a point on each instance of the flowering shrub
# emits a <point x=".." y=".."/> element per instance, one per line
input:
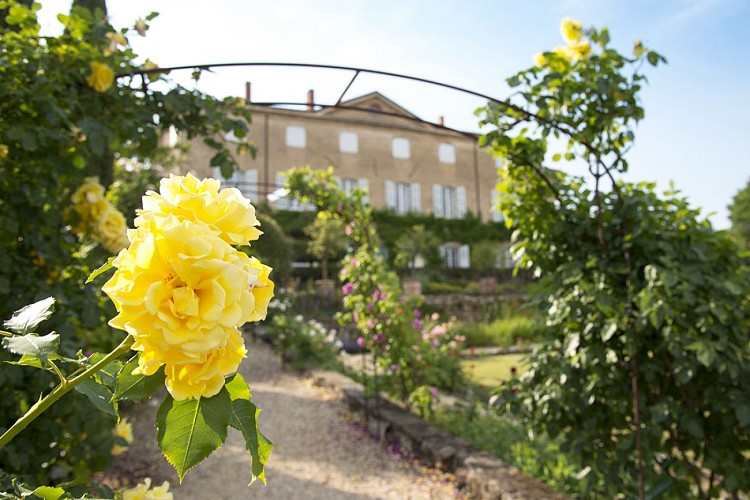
<point x="298" y="340"/>
<point x="373" y="299"/>
<point x="98" y="217"/>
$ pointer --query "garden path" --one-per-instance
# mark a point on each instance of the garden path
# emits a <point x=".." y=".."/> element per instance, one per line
<point x="319" y="451"/>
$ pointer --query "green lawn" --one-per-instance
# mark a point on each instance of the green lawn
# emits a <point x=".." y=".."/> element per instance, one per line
<point x="491" y="371"/>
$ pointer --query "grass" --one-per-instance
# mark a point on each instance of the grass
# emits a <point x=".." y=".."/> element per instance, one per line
<point x="491" y="371"/>
<point x="507" y="331"/>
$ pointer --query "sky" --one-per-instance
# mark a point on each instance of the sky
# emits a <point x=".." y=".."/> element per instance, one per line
<point x="697" y="120"/>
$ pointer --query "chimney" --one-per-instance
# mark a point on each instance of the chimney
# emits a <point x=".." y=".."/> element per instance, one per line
<point x="247" y="92"/>
<point x="311" y="100"/>
<point x="441" y="120"/>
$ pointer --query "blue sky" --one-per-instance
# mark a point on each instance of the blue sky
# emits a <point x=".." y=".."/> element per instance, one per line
<point x="697" y="108"/>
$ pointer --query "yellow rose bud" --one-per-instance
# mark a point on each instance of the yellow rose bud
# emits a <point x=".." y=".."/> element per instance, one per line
<point x="571" y="31"/>
<point x="101" y="78"/>
<point x="540" y="59"/>
<point x="580" y="50"/>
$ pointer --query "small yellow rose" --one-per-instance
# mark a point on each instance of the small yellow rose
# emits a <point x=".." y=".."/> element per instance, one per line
<point x="124" y="430"/>
<point x="101" y="78"/>
<point x="571" y="31"/>
<point x="143" y="491"/>
<point x="110" y="229"/>
<point x="580" y="50"/>
<point x="89" y="203"/>
<point x="540" y="59"/>
<point x="3" y="151"/>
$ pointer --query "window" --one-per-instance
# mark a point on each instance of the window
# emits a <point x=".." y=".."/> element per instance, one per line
<point x="455" y="256"/>
<point x="447" y="153"/>
<point x="296" y="137"/>
<point x="347" y="185"/>
<point x="400" y="148"/>
<point x="495" y="214"/>
<point x="348" y="142"/>
<point x="505" y="258"/>
<point x="244" y="180"/>
<point x="448" y="202"/>
<point x="282" y="200"/>
<point x="402" y="197"/>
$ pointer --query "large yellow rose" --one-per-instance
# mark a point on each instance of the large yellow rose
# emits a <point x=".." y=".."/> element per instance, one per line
<point x="110" y="229"/>
<point x="571" y="31"/>
<point x="181" y="291"/>
<point x="101" y="78"/>
<point x="226" y="211"/>
<point x="143" y="491"/>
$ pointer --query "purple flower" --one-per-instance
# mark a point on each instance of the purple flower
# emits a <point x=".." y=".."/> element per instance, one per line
<point x="347" y="288"/>
<point x="378" y="337"/>
<point x="433" y="392"/>
<point x="370" y="306"/>
<point x="360" y="342"/>
<point x="417" y="313"/>
<point x="417" y="324"/>
<point x="394" y="367"/>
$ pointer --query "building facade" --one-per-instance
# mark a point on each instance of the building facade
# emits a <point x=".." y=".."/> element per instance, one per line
<point x="404" y="164"/>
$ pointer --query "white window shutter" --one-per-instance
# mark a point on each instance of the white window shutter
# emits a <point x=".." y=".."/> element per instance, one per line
<point x="364" y="185"/>
<point x="497" y="215"/>
<point x="251" y="185"/>
<point x="416" y="199"/>
<point x="390" y="195"/>
<point x="460" y="202"/>
<point x="463" y="257"/>
<point x="438" y="210"/>
<point x="281" y="203"/>
<point x="339" y="182"/>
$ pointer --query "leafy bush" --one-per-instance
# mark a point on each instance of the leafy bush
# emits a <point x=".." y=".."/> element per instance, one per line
<point x="502" y="332"/>
<point x="303" y="342"/>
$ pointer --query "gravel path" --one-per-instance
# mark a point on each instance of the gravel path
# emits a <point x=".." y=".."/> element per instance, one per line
<point x="319" y="450"/>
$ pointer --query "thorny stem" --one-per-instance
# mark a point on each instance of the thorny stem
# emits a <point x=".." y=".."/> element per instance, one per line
<point x="63" y="388"/>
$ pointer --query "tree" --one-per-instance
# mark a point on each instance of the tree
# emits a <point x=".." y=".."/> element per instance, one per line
<point x="739" y="214"/>
<point x="327" y="239"/>
<point x="647" y="377"/>
<point x="419" y="242"/>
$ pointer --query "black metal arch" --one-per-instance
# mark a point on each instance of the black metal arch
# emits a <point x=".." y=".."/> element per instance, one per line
<point x="357" y="71"/>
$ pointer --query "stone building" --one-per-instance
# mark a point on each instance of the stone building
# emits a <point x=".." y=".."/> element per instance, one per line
<point x="405" y="164"/>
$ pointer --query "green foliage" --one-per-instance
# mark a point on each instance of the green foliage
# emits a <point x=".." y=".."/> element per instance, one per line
<point x="274" y="247"/>
<point x="739" y="214"/>
<point x="646" y="378"/>
<point x="484" y="255"/>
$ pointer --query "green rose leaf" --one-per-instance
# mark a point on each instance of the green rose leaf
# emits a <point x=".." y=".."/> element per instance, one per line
<point x="28" y="318"/>
<point x="190" y="430"/>
<point x="137" y="387"/>
<point x="244" y="418"/>
<point x="33" y="345"/>
<point x="49" y="492"/>
<point x="99" y="395"/>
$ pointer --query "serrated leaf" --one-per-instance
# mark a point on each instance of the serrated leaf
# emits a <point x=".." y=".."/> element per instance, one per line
<point x="137" y="387"/>
<point x="244" y="418"/>
<point x="108" y="374"/>
<point x="33" y="345"/>
<point x="35" y="362"/>
<point x="99" y="395"/>
<point x="192" y="429"/>
<point x="28" y="318"/>
<point x="100" y="270"/>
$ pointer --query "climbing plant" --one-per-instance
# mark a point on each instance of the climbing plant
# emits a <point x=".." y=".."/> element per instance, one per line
<point x="647" y="378"/>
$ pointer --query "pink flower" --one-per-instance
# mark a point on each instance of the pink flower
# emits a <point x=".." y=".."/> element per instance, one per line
<point x="435" y="316"/>
<point x="353" y="262"/>
<point x="417" y="313"/>
<point x="370" y="306"/>
<point x="355" y="316"/>
<point x="347" y="288"/>
<point x="394" y="367"/>
<point x="371" y="323"/>
<point x="348" y="229"/>
<point x="379" y="337"/>
<point x="360" y="342"/>
<point x="433" y="392"/>
<point x="439" y="330"/>
<point x="417" y="324"/>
